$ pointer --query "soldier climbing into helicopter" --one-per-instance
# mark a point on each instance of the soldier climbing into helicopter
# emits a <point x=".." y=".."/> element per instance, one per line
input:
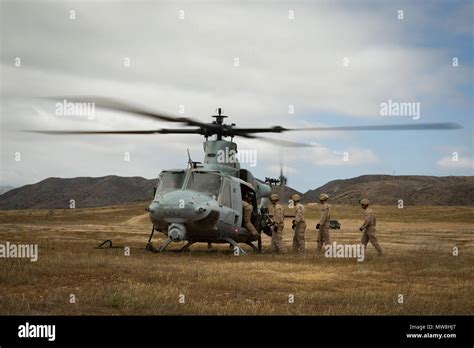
<point x="247" y="207"/>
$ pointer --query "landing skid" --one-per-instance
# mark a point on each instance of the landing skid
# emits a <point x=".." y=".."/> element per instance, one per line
<point x="186" y="247"/>
<point x="161" y="248"/>
<point x="235" y="245"/>
<point x="149" y="245"/>
<point x="258" y="249"/>
<point x="164" y="245"/>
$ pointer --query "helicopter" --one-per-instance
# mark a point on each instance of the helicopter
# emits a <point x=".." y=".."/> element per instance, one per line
<point x="203" y="203"/>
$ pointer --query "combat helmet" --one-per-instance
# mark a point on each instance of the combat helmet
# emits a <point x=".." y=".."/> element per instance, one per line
<point x="323" y="197"/>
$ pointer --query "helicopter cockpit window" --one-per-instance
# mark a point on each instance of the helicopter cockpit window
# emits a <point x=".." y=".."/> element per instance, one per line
<point x="204" y="182"/>
<point x="170" y="181"/>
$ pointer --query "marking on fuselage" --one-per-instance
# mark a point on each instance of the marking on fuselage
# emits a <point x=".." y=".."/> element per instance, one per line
<point x="171" y="212"/>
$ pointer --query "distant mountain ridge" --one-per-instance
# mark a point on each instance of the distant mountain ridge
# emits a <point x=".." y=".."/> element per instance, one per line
<point x="388" y="189"/>
<point x="85" y="191"/>
<point x="88" y="192"/>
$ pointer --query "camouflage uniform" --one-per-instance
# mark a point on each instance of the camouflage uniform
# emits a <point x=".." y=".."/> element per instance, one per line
<point x="368" y="228"/>
<point x="323" y="233"/>
<point x="247" y="218"/>
<point x="300" y="228"/>
<point x="279" y="219"/>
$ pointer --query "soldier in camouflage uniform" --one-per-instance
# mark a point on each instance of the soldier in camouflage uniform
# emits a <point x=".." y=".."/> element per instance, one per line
<point x="323" y="224"/>
<point x="368" y="227"/>
<point x="247" y="214"/>
<point x="279" y="220"/>
<point x="299" y="225"/>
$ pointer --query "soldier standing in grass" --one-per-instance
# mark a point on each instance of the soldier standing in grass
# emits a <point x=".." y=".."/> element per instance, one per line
<point x="323" y="224"/>
<point x="368" y="227"/>
<point x="279" y="220"/>
<point x="299" y="225"/>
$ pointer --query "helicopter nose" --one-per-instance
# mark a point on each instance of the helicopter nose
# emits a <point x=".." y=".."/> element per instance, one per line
<point x="182" y="207"/>
<point x="201" y="209"/>
<point x="153" y="208"/>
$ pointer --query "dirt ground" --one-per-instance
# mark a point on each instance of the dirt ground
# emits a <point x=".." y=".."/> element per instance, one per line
<point x="418" y="265"/>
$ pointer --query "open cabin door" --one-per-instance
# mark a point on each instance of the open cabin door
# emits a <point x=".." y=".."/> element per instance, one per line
<point x="226" y="203"/>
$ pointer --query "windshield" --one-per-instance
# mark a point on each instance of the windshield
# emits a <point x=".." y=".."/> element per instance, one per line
<point x="207" y="183"/>
<point x="170" y="181"/>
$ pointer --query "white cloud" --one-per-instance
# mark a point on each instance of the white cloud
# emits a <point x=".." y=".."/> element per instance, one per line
<point x="351" y="157"/>
<point x="190" y="62"/>
<point x="287" y="170"/>
<point x="462" y="162"/>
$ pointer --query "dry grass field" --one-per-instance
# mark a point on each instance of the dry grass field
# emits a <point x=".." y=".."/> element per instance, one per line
<point x="418" y="263"/>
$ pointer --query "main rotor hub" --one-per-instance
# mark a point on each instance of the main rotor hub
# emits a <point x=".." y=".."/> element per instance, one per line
<point x="219" y="117"/>
<point x="222" y="128"/>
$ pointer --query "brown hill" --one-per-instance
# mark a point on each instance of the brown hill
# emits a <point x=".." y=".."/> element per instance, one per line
<point x="85" y="191"/>
<point x="388" y="189"/>
<point x="114" y="190"/>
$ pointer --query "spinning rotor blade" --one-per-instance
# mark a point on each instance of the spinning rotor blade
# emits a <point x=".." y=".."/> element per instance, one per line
<point x="279" y="142"/>
<point x="419" y="126"/>
<point x="274" y="129"/>
<point x="221" y="129"/>
<point x="157" y="131"/>
<point x="116" y="105"/>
